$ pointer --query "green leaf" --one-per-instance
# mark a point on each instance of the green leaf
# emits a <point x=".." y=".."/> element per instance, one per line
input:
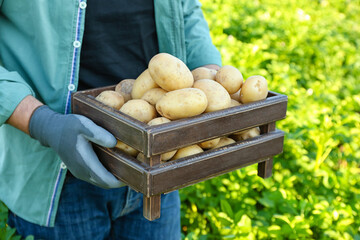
<point x="225" y="221"/>
<point x="267" y="202"/>
<point x="238" y="215"/>
<point x="225" y="207"/>
<point x="245" y="221"/>
<point x="345" y="222"/>
<point x="9" y="234"/>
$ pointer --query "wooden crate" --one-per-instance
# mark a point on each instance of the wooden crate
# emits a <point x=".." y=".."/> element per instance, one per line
<point x="153" y="177"/>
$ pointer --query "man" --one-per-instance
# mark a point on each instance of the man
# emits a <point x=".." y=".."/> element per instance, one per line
<point x="50" y="178"/>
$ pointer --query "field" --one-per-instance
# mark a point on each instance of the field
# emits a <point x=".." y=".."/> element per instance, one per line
<point x="310" y="51"/>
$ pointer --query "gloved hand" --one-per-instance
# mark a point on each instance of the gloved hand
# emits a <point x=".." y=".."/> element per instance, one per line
<point x="70" y="136"/>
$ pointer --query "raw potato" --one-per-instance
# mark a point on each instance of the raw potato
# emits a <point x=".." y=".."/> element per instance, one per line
<point x="187" y="151"/>
<point x="160" y="120"/>
<point x="255" y="88"/>
<point x="141" y="157"/>
<point x="111" y="98"/>
<point x="224" y="141"/>
<point x="250" y="133"/>
<point x="203" y="73"/>
<point x="209" y="143"/>
<point x="217" y="96"/>
<point x="234" y="103"/>
<point x="142" y="84"/>
<point x="230" y="78"/>
<point x="139" y="109"/>
<point x="236" y="96"/>
<point x="245" y="134"/>
<point x="169" y="72"/>
<point x="124" y="87"/>
<point x="182" y="103"/>
<point x="126" y="148"/>
<point x="164" y="157"/>
<point x="153" y="95"/>
<point x="168" y="155"/>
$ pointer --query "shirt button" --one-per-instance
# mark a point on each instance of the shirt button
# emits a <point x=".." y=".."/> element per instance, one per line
<point x="82" y="5"/>
<point x="71" y="87"/>
<point x="63" y="166"/>
<point x="76" y="44"/>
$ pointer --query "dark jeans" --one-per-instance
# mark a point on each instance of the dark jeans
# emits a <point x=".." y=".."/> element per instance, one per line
<point x="88" y="212"/>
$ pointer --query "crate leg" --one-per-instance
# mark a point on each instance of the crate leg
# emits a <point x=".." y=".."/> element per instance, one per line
<point x="151" y="210"/>
<point x="265" y="168"/>
<point x="152" y="204"/>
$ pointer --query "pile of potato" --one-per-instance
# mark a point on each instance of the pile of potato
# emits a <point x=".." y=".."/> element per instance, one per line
<point x="167" y="90"/>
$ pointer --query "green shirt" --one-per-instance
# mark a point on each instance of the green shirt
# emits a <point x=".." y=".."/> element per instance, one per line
<point x="40" y="44"/>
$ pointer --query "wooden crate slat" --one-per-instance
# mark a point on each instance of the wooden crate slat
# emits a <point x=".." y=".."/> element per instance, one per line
<point x="127" y="169"/>
<point x="193" y="130"/>
<point x="214" y="163"/>
<point x="183" y="172"/>
<point x="152" y="140"/>
<point x="119" y="124"/>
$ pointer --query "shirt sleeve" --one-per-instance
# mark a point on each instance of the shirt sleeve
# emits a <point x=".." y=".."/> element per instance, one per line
<point x="13" y="90"/>
<point x="199" y="47"/>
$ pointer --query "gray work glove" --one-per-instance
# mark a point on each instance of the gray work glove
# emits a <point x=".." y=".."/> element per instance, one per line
<point x="70" y="136"/>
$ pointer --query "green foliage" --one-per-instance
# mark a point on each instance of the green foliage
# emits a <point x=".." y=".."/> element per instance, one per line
<point x="7" y="233"/>
<point x="310" y="52"/>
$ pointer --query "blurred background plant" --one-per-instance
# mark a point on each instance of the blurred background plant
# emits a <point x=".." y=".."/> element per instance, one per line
<point x="308" y="50"/>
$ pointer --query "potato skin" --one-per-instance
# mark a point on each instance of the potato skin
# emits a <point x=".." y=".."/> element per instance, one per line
<point x="139" y="109"/>
<point x="203" y="73"/>
<point x="169" y="72"/>
<point x="126" y="148"/>
<point x="153" y="95"/>
<point x="224" y="141"/>
<point x="168" y="155"/>
<point x="209" y="143"/>
<point x="236" y="96"/>
<point x="160" y="120"/>
<point x="218" y="97"/>
<point x="187" y="151"/>
<point x="255" y="88"/>
<point x="234" y="103"/>
<point x="182" y="103"/>
<point x="142" y="84"/>
<point x="246" y="134"/>
<point x="124" y="87"/>
<point x="230" y="78"/>
<point x="141" y="157"/>
<point x="111" y="98"/>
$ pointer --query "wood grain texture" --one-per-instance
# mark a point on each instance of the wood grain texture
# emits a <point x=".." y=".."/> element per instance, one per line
<point x="126" y="168"/>
<point x="183" y="172"/>
<point x="120" y="125"/>
<point x="152" y="207"/>
<point x="265" y="168"/>
<point x="211" y="163"/>
<point x="209" y="125"/>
